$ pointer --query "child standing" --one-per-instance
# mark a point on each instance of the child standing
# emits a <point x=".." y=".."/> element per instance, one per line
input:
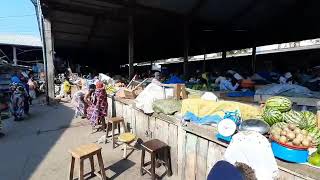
<point x="67" y="88"/>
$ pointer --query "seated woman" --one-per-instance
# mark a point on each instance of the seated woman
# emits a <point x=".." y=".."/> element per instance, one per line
<point x="98" y="106"/>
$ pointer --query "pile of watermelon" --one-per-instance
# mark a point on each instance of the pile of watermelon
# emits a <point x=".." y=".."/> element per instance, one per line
<point x="279" y="109"/>
<point x="275" y="107"/>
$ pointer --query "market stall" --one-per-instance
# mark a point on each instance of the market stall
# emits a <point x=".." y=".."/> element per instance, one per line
<point x="194" y="148"/>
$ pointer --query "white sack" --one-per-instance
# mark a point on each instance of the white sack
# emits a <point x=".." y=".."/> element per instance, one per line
<point x="151" y="93"/>
<point x="254" y="150"/>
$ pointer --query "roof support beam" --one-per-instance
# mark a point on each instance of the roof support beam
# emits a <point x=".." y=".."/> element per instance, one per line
<point x="49" y="66"/>
<point x="253" y="60"/>
<point x="195" y="9"/>
<point x="185" y="48"/>
<point x="114" y="14"/>
<point x="131" y="40"/>
<point x="140" y="7"/>
<point x="91" y="33"/>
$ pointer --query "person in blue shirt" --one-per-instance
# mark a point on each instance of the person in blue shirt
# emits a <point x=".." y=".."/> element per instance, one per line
<point x="229" y="84"/>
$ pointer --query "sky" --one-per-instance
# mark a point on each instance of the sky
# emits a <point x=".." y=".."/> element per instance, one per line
<point x="18" y="17"/>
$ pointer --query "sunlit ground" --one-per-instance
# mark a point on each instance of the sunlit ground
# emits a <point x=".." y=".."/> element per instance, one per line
<point x="37" y="148"/>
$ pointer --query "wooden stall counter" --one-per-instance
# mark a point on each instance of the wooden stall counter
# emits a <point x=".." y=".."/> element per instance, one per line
<point x="194" y="148"/>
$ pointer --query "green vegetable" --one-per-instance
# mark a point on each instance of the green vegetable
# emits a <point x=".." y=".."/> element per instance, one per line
<point x="314" y="158"/>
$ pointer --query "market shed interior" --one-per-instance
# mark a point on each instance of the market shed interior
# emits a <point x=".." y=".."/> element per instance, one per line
<point x="98" y="32"/>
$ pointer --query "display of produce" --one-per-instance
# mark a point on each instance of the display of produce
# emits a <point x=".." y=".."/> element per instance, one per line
<point x="309" y="119"/>
<point x="279" y="103"/>
<point x="290" y="135"/>
<point x="294" y="117"/>
<point x="272" y="116"/>
<point x="314" y="158"/>
<point x="315" y="133"/>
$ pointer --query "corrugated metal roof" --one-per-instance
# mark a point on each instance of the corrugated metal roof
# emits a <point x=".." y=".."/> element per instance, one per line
<point x="20" y="40"/>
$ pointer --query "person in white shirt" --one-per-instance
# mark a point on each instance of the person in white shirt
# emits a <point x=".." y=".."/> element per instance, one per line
<point x="156" y="79"/>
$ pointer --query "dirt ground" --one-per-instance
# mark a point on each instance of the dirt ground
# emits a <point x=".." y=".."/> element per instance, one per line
<point x="37" y="148"/>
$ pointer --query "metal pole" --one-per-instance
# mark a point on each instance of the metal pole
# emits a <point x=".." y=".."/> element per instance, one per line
<point x="48" y="42"/>
<point x="186" y="48"/>
<point x="204" y="61"/>
<point x="254" y="52"/>
<point x="131" y="40"/>
<point x="14" y="51"/>
<point x="224" y="55"/>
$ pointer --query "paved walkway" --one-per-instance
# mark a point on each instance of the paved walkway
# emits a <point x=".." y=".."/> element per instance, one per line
<point x="37" y="148"/>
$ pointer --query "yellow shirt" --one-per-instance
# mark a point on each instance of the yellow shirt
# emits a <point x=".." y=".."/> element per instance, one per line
<point x="66" y="87"/>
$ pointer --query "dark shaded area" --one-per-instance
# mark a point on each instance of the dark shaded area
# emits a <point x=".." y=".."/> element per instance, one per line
<point x="96" y="32"/>
<point x="120" y="167"/>
<point x="281" y="62"/>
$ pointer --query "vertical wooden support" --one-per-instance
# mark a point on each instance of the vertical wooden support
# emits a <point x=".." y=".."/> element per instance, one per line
<point x="254" y="52"/>
<point x="185" y="48"/>
<point x="131" y="43"/>
<point x="48" y="44"/>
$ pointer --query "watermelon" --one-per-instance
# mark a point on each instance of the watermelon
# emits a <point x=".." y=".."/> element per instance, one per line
<point x="315" y="133"/>
<point x="309" y="120"/>
<point x="294" y="117"/>
<point x="272" y="116"/>
<point x="280" y="103"/>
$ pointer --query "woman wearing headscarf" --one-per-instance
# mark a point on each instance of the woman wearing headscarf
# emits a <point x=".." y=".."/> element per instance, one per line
<point x="81" y="99"/>
<point x="98" y="106"/>
<point x="17" y="102"/>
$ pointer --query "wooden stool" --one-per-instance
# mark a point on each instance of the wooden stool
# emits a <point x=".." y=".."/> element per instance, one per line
<point x="84" y="152"/>
<point x="126" y="138"/>
<point x="157" y="149"/>
<point x="115" y="122"/>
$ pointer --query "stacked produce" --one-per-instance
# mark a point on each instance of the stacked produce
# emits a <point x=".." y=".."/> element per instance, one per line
<point x="291" y="135"/>
<point x="274" y="108"/>
<point x="290" y="126"/>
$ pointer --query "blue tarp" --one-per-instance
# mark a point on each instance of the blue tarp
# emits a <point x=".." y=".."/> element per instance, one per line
<point x="174" y="80"/>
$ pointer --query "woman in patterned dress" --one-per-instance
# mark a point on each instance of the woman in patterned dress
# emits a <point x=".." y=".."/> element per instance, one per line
<point x="98" y="106"/>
